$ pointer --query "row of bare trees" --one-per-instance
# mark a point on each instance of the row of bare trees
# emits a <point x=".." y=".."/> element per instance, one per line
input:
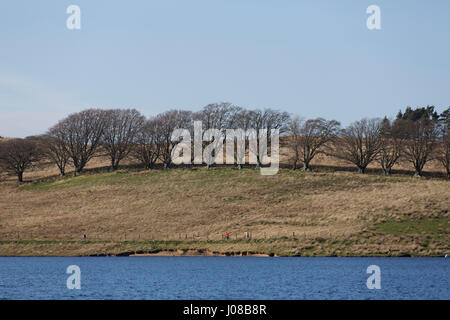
<point x="417" y="136"/>
<point x="121" y="133"/>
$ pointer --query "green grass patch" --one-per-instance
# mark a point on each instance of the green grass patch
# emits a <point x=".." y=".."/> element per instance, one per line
<point x="408" y="226"/>
<point x="296" y="180"/>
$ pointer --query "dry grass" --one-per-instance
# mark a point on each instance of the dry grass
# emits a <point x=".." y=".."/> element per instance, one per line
<point x="327" y="213"/>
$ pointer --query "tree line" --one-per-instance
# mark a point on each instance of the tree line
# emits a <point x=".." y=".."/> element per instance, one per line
<point x="416" y="136"/>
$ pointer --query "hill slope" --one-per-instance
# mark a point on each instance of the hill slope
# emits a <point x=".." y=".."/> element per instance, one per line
<point x="179" y="210"/>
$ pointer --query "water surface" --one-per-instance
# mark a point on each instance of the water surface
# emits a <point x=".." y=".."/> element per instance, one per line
<point x="223" y="278"/>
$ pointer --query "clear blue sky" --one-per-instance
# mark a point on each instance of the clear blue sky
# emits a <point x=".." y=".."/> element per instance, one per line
<point x="312" y="58"/>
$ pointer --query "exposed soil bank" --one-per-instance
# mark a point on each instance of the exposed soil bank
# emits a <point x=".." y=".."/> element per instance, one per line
<point x="257" y="248"/>
<point x="196" y="253"/>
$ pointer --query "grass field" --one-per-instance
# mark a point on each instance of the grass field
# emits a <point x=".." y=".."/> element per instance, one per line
<point x="187" y="211"/>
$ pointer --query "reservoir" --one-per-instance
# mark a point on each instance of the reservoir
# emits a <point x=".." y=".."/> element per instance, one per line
<point x="223" y="278"/>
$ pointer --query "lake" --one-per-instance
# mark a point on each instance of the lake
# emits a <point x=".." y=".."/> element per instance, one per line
<point x="223" y="278"/>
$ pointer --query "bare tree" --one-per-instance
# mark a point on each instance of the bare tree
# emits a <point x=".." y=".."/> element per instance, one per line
<point x="444" y="153"/>
<point x="359" y="143"/>
<point x="421" y="141"/>
<point x="167" y="122"/>
<point x="392" y="138"/>
<point x="308" y="137"/>
<point x="293" y="141"/>
<point x="240" y="119"/>
<point x="82" y="133"/>
<point x="215" y="115"/>
<point x="148" y="144"/>
<point x="54" y="148"/>
<point x="119" y="134"/>
<point x="219" y="116"/>
<point x="17" y="155"/>
<point x="267" y="119"/>
<point x="444" y="148"/>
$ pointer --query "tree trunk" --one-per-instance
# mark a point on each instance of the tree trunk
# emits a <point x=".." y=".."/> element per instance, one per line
<point x="387" y="172"/>
<point x="113" y="166"/>
<point x="62" y="170"/>
<point x="20" y="177"/>
<point x="79" y="166"/>
<point x="418" y="173"/>
<point x="258" y="163"/>
<point x="362" y="170"/>
<point x="447" y="168"/>
<point x="306" y="166"/>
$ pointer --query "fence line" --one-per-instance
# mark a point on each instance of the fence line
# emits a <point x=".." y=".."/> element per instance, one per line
<point x="184" y="237"/>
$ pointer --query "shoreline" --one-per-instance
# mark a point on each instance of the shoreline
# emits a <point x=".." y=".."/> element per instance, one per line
<point x="202" y="253"/>
<point x="197" y="253"/>
<point x="235" y="248"/>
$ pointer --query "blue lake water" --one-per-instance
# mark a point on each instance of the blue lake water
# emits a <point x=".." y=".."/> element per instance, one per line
<point x="223" y="278"/>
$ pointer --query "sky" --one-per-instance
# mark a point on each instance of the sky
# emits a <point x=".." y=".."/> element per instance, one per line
<point x="310" y="58"/>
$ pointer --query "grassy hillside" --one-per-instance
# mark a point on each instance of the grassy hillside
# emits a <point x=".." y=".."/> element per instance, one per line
<point x="187" y="211"/>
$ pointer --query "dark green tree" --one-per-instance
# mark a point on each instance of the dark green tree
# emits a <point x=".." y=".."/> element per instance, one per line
<point x="427" y="112"/>
<point x="421" y="130"/>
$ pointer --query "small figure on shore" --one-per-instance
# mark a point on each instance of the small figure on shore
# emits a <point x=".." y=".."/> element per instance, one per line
<point x="246" y="236"/>
<point x="227" y="235"/>
<point x="84" y="236"/>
